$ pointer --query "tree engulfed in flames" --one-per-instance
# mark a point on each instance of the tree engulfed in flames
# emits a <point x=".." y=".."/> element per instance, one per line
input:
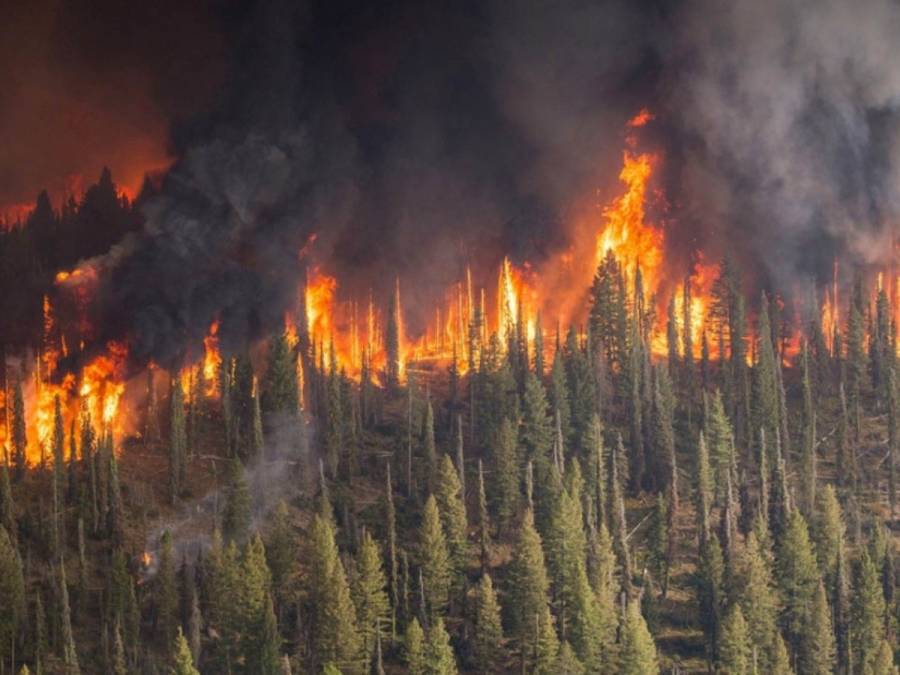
<point x="352" y="335"/>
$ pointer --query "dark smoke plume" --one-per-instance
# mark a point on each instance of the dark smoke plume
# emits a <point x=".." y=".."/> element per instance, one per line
<point x="414" y="138"/>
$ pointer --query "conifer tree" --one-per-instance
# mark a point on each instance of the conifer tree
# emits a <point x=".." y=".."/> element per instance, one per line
<point x="840" y="603"/>
<point x="257" y="440"/>
<point x="414" y="648"/>
<point x="817" y="655"/>
<point x="798" y="577"/>
<point x="637" y="463"/>
<point x="828" y="532"/>
<point x="7" y="505"/>
<point x="280" y="383"/>
<point x="120" y="667"/>
<point x="559" y="394"/>
<point x="70" y="655"/>
<point x="236" y="516"/>
<point x="616" y="508"/>
<point x="719" y="440"/>
<point x="505" y="486"/>
<point x="453" y="518"/>
<point x="391" y="522"/>
<point x="392" y="338"/>
<point x="608" y="312"/>
<point x="658" y="539"/>
<point x="703" y="488"/>
<point x="856" y="361"/>
<point x="182" y="660"/>
<point x="779" y="495"/>
<point x="369" y="594"/>
<point x="116" y="514"/>
<point x="12" y="594"/>
<point x="672" y="335"/>
<point x="59" y="466"/>
<point x="439" y="658"/>
<point x="759" y="605"/>
<point x="437" y="564"/>
<point x="335" y="636"/>
<point x="177" y="439"/>
<point x="602" y="575"/>
<point x="484" y="523"/>
<point x="884" y="662"/>
<point x="567" y="662"/>
<point x="488" y="636"/>
<point x="664" y="439"/>
<point x="545" y="648"/>
<point x="281" y="554"/>
<point x="867" y="613"/>
<point x="808" y="459"/>
<point x="267" y="659"/>
<point x="736" y="649"/>
<point x="528" y="584"/>
<point x="711" y="594"/>
<point x="845" y="456"/>
<point x="638" y="649"/>
<point x="19" y="437"/>
<point x="536" y="432"/>
<point x="40" y="632"/>
<point x="765" y="386"/>
<point x="429" y="449"/>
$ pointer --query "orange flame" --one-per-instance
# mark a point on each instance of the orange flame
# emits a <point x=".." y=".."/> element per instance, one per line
<point x="212" y="360"/>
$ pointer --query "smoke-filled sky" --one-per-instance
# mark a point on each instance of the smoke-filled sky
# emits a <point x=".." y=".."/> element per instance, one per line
<point x="414" y="137"/>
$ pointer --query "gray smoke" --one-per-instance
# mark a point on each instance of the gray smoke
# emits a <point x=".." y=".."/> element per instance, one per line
<point x="788" y="113"/>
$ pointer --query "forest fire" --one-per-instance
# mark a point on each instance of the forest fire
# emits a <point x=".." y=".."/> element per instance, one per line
<point x="356" y="334"/>
<point x="450" y="338"/>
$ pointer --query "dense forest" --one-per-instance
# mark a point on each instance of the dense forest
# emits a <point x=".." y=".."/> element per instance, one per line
<point x="572" y="504"/>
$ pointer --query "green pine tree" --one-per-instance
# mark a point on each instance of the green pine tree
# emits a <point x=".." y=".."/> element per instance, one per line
<point x="369" y="594"/>
<point x="484" y="522"/>
<point x="545" y="650"/>
<point x="182" y="660"/>
<point x="487" y="647"/>
<point x="280" y="391"/>
<point x="236" y="515"/>
<point x="638" y="649"/>
<point x="505" y="484"/>
<point x="736" y="648"/>
<point x="70" y="654"/>
<point x="439" y="658"/>
<point x="429" y="450"/>
<point x="866" y="613"/>
<point x="437" y="564"/>
<point x="527" y="583"/>
<point x="453" y="519"/>
<point x="12" y="593"/>
<point x="798" y="577"/>
<point x="333" y="619"/>
<point x="817" y="653"/>
<point x="758" y="601"/>
<point x="765" y="388"/>
<point x="281" y="554"/>
<point x="414" y="648"/>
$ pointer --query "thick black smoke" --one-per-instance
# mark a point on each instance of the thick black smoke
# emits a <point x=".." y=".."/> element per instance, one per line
<point x="413" y="138"/>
